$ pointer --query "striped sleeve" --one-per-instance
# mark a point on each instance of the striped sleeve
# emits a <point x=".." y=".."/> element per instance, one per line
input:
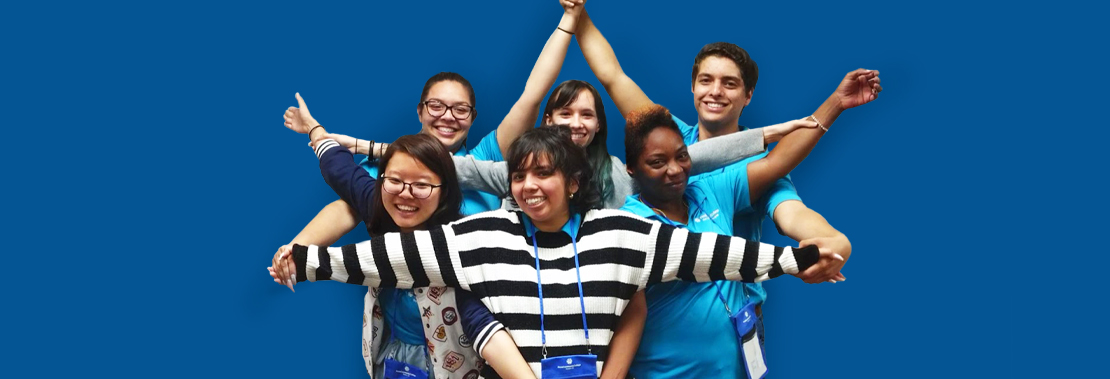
<point x="402" y="260"/>
<point x="680" y="254"/>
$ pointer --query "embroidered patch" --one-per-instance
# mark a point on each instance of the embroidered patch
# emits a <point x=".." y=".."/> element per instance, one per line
<point x="450" y="316"/>
<point x="440" y="334"/>
<point x="431" y="346"/>
<point x="472" y="374"/>
<point x="435" y="293"/>
<point x="453" y="361"/>
<point x="377" y="312"/>
<point x="365" y="348"/>
<point x="427" y="313"/>
<point x="464" y="341"/>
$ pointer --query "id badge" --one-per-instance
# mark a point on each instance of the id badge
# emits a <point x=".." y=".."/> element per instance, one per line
<point x="582" y="366"/>
<point x="750" y="349"/>
<point x="395" y="369"/>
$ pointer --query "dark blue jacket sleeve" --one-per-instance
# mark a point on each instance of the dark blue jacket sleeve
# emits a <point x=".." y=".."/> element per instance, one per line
<point x="353" y="184"/>
<point x="477" y="321"/>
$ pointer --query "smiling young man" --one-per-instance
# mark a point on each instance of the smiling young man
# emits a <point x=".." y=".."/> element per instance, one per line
<point x="723" y="80"/>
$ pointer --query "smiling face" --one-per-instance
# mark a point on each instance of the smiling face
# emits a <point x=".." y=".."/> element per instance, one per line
<point x="543" y="192"/>
<point x="409" y="212"/>
<point x="719" y="92"/>
<point x="580" y="115"/>
<point x="663" y="168"/>
<point x="446" y="128"/>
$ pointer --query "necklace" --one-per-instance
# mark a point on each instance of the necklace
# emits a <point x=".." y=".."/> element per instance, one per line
<point x="660" y="211"/>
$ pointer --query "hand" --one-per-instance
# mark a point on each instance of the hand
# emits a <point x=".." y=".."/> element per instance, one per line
<point x="343" y="140"/>
<point x="573" y="7"/>
<point x="835" y="251"/>
<point x="298" y="119"/>
<point x="284" y="270"/>
<point x="858" y="87"/>
<point x="774" y="133"/>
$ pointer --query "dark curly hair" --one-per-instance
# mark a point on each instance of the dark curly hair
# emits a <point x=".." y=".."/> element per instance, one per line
<point x="638" y="126"/>
<point x="554" y="143"/>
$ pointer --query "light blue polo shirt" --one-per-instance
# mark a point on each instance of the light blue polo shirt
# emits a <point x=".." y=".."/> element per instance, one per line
<point x="683" y="318"/>
<point x="749" y="224"/>
<point x="473" y="201"/>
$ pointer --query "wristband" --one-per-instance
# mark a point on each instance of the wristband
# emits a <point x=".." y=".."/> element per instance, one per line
<point x="564" y="30"/>
<point x="818" y="123"/>
<point x="313" y="129"/>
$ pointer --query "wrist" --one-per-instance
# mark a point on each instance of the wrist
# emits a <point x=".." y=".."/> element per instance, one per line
<point x="568" y="23"/>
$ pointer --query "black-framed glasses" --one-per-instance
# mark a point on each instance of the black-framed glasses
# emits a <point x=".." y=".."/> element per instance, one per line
<point x="419" y="190"/>
<point x="437" y="108"/>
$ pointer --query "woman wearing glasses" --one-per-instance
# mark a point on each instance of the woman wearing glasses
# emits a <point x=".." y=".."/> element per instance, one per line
<point x="446" y="112"/>
<point x="513" y="260"/>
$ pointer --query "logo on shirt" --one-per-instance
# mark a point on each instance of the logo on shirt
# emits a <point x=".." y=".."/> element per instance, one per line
<point x="464" y="341"/>
<point x="708" y="216"/>
<point x="472" y="374"/>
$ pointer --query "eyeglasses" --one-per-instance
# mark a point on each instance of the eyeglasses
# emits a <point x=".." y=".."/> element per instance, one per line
<point x="437" y="108"/>
<point x="419" y="190"/>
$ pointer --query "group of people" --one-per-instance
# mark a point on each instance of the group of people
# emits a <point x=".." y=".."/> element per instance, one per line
<point x="537" y="254"/>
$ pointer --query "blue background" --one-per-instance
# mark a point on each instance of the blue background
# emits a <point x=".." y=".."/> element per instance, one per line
<point x="148" y="179"/>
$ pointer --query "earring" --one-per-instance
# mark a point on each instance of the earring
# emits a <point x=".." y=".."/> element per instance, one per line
<point x="572" y="195"/>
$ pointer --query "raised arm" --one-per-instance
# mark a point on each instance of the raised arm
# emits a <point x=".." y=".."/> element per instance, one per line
<point x="858" y="87"/>
<point x="485" y="176"/>
<point x="347" y="179"/>
<point x="603" y="61"/>
<point x="522" y="116"/>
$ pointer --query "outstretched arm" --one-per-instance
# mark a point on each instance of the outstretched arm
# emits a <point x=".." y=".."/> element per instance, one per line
<point x="675" y="253"/>
<point x="522" y="116"/>
<point x="714" y="153"/>
<point x="603" y="61"/>
<point x="626" y="340"/>
<point x="489" y="337"/>
<point x="485" y="176"/>
<point x="797" y="221"/>
<point x="858" y="87"/>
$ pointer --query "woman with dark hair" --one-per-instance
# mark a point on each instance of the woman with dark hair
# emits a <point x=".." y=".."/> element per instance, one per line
<point x="559" y="257"/>
<point x="577" y="106"/>
<point x="417" y="189"/>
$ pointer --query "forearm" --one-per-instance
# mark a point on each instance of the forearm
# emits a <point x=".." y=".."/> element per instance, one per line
<point x="797" y="221"/>
<point x="714" y="153"/>
<point x="626" y="340"/>
<point x="791" y="150"/>
<point x="384" y="261"/>
<point x="485" y="176"/>
<point x="332" y="223"/>
<point x="525" y="111"/>
<point x="502" y="354"/>
<point x="624" y="92"/>
<point x="709" y="256"/>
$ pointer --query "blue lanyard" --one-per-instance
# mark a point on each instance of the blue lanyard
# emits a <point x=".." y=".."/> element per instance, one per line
<point x="670" y="222"/>
<point x="581" y="297"/>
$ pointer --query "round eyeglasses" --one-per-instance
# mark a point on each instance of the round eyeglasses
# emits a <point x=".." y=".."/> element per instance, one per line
<point x="419" y="190"/>
<point x="437" y="108"/>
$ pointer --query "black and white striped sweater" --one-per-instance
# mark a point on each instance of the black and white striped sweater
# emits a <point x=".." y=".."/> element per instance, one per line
<point x="491" y="255"/>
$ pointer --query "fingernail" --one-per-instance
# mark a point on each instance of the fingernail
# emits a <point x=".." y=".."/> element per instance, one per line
<point x="838" y="257"/>
<point x="832" y="281"/>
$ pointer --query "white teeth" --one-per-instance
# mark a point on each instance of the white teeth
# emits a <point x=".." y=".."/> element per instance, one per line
<point x="445" y="129"/>
<point x="534" y="200"/>
<point x="715" y="105"/>
<point x="406" y="208"/>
